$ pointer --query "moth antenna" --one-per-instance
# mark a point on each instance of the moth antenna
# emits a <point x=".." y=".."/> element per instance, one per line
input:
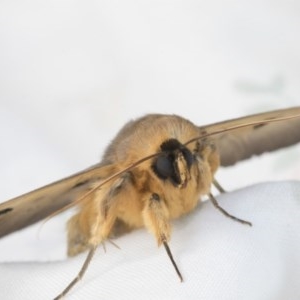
<point x="156" y="154"/>
<point x="115" y="175"/>
<point x="241" y="126"/>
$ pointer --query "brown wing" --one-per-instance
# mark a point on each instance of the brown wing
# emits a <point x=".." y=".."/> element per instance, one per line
<point x="29" y="208"/>
<point x="234" y="145"/>
<point x="255" y="134"/>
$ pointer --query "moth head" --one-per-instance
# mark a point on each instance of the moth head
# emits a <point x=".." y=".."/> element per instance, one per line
<point x="173" y="163"/>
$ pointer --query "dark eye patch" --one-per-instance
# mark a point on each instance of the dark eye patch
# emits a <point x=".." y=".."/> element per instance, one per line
<point x="170" y="145"/>
<point x="163" y="167"/>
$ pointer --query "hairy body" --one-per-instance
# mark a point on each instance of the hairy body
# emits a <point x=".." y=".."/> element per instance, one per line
<point x="128" y="202"/>
<point x="156" y="169"/>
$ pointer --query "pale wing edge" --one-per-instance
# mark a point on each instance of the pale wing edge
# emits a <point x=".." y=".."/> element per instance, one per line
<point x="265" y="132"/>
<point x="36" y="205"/>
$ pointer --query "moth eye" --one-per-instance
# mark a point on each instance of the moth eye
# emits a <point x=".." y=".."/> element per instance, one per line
<point x="163" y="167"/>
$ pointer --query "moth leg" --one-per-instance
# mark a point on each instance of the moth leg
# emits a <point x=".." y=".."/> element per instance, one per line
<point x="77" y="236"/>
<point x="99" y="208"/>
<point x="224" y="212"/>
<point x="99" y="232"/>
<point x="156" y="218"/>
<point x="172" y="260"/>
<point x="80" y="274"/>
<point x="218" y="186"/>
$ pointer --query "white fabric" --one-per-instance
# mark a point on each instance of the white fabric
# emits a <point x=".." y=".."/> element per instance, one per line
<point x="219" y="258"/>
<point x="73" y="72"/>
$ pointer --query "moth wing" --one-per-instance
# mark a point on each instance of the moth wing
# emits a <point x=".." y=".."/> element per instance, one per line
<point x="255" y="134"/>
<point x="36" y="205"/>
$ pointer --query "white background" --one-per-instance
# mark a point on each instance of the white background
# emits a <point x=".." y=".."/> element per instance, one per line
<point x="73" y="72"/>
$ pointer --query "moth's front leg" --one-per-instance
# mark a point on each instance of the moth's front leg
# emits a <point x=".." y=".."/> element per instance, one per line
<point x="83" y="235"/>
<point x="94" y="222"/>
<point x="156" y="220"/>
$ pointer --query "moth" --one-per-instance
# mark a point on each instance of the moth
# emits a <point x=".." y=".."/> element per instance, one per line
<point x="155" y="170"/>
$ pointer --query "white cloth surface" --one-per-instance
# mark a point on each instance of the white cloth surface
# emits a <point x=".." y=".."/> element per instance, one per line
<point x="219" y="258"/>
<point x="73" y="72"/>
